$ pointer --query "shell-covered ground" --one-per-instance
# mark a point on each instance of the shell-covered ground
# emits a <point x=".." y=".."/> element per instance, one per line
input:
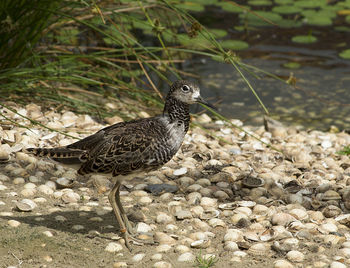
<point x="230" y="198"/>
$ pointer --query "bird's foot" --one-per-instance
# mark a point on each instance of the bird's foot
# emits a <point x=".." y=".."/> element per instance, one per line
<point x="131" y="238"/>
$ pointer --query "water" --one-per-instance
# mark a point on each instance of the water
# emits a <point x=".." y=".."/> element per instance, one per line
<point x="320" y="100"/>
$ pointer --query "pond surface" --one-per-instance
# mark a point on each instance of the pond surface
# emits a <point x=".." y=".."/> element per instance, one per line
<point x="321" y="98"/>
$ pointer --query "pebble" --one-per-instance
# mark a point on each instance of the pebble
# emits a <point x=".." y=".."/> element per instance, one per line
<point x="113" y="247"/>
<point x="295" y="256"/>
<point x="138" y="257"/>
<point x="283" y="264"/>
<point x="120" y="264"/>
<point x="18" y="180"/>
<point x="143" y="228"/>
<point x="45" y="189"/>
<point x="186" y="257"/>
<point x="163" y="248"/>
<point x="163" y="238"/>
<point x="162" y="264"/>
<point x="48" y="233"/>
<point x="163" y="218"/>
<point x="336" y="264"/>
<point x="180" y="171"/>
<point x="207" y="202"/>
<point x="181" y="249"/>
<point x="13" y="223"/>
<point x="183" y="214"/>
<point x="156" y="257"/>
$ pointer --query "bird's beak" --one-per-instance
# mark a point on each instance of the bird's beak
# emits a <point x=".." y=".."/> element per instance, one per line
<point x="199" y="99"/>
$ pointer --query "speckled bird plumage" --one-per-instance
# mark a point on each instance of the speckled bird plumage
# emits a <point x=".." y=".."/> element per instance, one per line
<point x="136" y="146"/>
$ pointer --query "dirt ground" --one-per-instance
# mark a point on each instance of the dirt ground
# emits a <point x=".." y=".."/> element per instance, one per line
<point x="27" y="246"/>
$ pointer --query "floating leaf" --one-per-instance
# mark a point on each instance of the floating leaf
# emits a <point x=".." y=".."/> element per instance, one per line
<point x="254" y="20"/>
<point x="190" y="6"/>
<point x="310" y="3"/>
<point x="347" y="19"/>
<point x="345" y="54"/>
<point x="319" y="20"/>
<point x="227" y="6"/>
<point x="285" y="23"/>
<point x="305" y="39"/>
<point x="218" y="33"/>
<point x="260" y="3"/>
<point x="292" y="65"/>
<point x="234" y="44"/>
<point x="284" y="2"/>
<point x="342" y="28"/>
<point x="286" y="9"/>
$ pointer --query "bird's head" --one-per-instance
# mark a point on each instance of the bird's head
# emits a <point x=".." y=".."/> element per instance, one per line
<point x="187" y="92"/>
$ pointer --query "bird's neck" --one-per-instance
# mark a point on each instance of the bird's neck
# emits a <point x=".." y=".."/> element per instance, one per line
<point x="177" y="111"/>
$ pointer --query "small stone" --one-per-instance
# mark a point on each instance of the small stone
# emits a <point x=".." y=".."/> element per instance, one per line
<point x="47" y="258"/>
<point x="182" y="249"/>
<point x="163" y="218"/>
<point x="78" y="227"/>
<point x="221" y="195"/>
<point x="13" y="223"/>
<point x="336" y="264"/>
<point x="143" y="228"/>
<point x="60" y="218"/>
<point x="28" y="192"/>
<point x="183" y="214"/>
<point x="186" y="257"/>
<point x="120" y="264"/>
<point x="145" y="200"/>
<point x="48" y="233"/>
<point x="180" y="171"/>
<point x="295" y="256"/>
<point x="231" y="246"/>
<point x="163" y="248"/>
<point x="162" y="264"/>
<point x="29" y="185"/>
<point x="138" y="257"/>
<point x="45" y="189"/>
<point x="156" y="257"/>
<point x="2" y="187"/>
<point x="283" y="264"/>
<point x="114" y="247"/>
<point x="70" y="197"/>
<point x="200" y="243"/>
<point x="282" y="219"/>
<point x="163" y="238"/>
<point x="207" y="202"/>
<point x="18" y="180"/>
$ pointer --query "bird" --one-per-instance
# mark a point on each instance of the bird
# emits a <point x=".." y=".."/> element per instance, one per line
<point x="127" y="148"/>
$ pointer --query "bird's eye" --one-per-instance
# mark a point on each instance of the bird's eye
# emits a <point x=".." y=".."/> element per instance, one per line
<point x="185" y="88"/>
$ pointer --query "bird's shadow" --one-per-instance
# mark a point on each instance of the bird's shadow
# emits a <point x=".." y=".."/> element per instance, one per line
<point x="105" y="224"/>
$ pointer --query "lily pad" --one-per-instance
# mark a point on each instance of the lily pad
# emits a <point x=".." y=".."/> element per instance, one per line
<point x="284" y="2"/>
<point x="260" y="3"/>
<point x="254" y="20"/>
<point x="342" y="29"/>
<point x="310" y="3"/>
<point x="286" y="23"/>
<point x="190" y="6"/>
<point x="227" y="6"/>
<point x="319" y="20"/>
<point x="345" y="54"/>
<point x="347" y="18"/>
<point x="218" y="33"/>
<point x="292" y="65"/>
<point x="304" y="39"/>
<point x="234" y="44"/>
<point x="286" y="9"/>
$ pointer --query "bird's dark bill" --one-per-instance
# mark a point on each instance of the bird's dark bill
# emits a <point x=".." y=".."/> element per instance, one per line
<point x="201" y="100"/>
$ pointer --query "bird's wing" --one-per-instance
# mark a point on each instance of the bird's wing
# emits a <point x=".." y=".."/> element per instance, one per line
<point x="121" y="148"/>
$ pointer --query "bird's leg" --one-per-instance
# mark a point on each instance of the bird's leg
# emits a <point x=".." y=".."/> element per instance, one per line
<point x="112" y="201"/>
<point x="122" y="212"/>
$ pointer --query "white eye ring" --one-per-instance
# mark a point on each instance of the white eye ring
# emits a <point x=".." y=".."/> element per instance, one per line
<point x="185" y="88"/>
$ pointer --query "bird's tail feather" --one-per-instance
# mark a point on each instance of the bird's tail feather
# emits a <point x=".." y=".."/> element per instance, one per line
<point x="59" y="154"/>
